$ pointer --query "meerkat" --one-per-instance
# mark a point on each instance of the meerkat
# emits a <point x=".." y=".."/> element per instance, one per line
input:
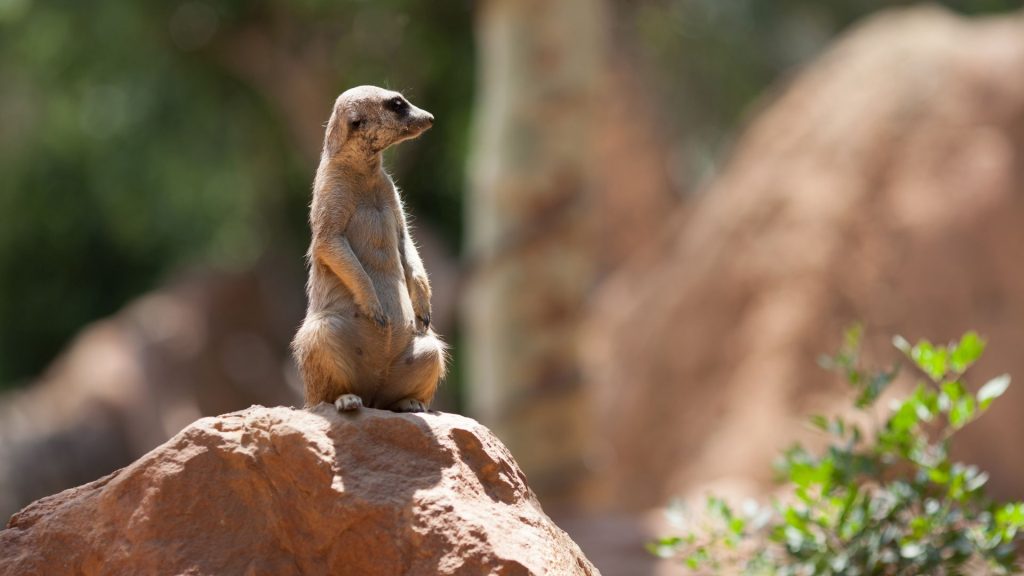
<point x="366" y="339"/>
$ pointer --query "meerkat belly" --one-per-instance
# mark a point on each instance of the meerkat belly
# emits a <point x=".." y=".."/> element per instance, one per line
<point x="374" y="236"/>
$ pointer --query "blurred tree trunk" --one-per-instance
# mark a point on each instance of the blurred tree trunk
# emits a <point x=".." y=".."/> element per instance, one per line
<point x="531" y="213"/>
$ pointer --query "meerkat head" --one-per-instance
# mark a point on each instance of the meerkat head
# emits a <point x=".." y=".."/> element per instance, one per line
<point x="368" y="119"/>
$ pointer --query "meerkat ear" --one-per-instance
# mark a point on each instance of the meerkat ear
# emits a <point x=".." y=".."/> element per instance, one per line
<point x="334" y="136"/>
<point x="339" y="128"/>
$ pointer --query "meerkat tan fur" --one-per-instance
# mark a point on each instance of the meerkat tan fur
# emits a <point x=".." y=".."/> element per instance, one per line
<point x="366" y="339"/>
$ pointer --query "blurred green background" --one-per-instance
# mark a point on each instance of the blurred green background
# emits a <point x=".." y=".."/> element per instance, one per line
<point x="142" y="138"/>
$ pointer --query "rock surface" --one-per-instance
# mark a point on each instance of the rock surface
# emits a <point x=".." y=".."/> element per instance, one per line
<point x="284" y="491"/>
<point x="884" y="184"/>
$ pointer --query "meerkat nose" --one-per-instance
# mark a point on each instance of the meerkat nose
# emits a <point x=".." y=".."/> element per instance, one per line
<point x="430" y="119"/>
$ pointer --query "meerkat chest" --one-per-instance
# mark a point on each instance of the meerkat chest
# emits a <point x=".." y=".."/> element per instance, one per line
<point x="374" y="235"/>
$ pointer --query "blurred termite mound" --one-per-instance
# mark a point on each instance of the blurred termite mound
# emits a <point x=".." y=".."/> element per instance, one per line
<point x="202" y="345"/>
<point x="884" y="184"/>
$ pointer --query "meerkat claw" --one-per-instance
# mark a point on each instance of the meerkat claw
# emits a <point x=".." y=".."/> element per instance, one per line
<point x="348" y="402"/>
<point x="409" y="405"/>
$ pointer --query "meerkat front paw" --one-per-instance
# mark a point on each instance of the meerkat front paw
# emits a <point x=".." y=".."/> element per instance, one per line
<point x="409" y="405"/>
<point x="348" y="402"/>
<point x="419" y="293"/>
<point x="424" y="322"/>
<point x="374" y="311"/>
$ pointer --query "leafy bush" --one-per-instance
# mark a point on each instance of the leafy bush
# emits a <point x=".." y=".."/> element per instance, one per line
<point x="883" y="501"/>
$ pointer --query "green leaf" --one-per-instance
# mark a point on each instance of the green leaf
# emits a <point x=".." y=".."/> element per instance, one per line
<point x="923" y="403"/>
<point x="719" y="509"/>
<point x="874" y="388"/>
<point x="933" y="361"/>
<point x="920" y="526"/>
<point x="939" y="474"/>
<point x="1011" y="515"/>
<point x="664" y="547"/>
<point x="966" y="352"/>
<point x="905" y="417"/>
<point x="809" y="473"/>
<point x="952" y="391"/>
<point x="697" y="557"/>
<point x="818" y="421"/>
<point x="993" y="389"/>
<point x="737" y="525"/>
<point x="962" y="412"/>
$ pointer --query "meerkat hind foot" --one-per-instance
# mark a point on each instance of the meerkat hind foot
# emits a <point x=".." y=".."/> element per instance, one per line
<point x="409" y="405"/>
<point x="348" y="402"/>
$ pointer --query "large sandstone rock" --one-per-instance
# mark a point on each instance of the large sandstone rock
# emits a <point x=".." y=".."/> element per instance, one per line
<point x="284" y="491"/>
<point x="885" y="184"/>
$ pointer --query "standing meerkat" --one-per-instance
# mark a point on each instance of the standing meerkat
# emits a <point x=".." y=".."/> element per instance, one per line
<point x="366" y="339"/>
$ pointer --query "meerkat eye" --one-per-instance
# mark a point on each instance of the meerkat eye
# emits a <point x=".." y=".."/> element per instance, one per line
<point x="396" y="104"/>
<point x="355" y="124"/>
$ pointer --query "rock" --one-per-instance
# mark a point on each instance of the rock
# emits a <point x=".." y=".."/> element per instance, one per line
<point x="285" y="491"/>
<point x="884" y="184"/>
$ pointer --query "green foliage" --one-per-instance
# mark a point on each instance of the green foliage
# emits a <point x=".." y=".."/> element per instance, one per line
<point x="886" y="501"/>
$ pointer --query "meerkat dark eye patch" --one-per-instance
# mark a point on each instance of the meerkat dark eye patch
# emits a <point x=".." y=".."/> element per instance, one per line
<point x="397" y="105"/>
<point x="355" y="123"/>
